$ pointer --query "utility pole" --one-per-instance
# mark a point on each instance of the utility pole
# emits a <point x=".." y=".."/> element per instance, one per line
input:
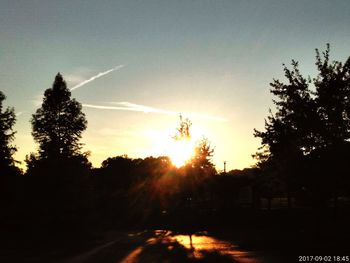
<point x="224" y="167"/>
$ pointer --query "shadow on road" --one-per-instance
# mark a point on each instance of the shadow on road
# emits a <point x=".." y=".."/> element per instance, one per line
<point x="166" y="246"/>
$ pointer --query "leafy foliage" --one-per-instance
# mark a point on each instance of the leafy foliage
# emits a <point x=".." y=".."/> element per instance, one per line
<point x="310" y="128"/>
<point x="58" y="123"/>
<point x="183" y="131"/>
<point x="7" y="121"/>
<point x="61" y="172"/>
<point x="203" y="151"/>
<point x="203" y="155"/>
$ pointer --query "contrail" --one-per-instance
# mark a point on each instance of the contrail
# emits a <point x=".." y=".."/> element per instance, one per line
<point x="102" y="107"/>
<point x="101" y="74"/>
<point x="19" y="113"/>
<point x="127" y="106"/>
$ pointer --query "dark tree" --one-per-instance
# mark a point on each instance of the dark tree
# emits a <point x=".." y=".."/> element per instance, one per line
<point x="309" y="129"/>
<point x="333" y="99"/>
<point x="203" y="154"/>
<point x="7" y="120"/>
<point x="58" y="123"/>
<point x="332" y="146"/>
<point x="194" y="175"/>
<point x="61" y="173"/>
<point x="10" y="183"/>
<point x="183" y="131"/>
<point x="203" y="151"/>
<point x="288" y="132"/>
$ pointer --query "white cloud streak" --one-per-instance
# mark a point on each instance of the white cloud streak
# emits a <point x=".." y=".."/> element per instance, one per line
<point x="128" y="106"/>
<point x="19" y="113"/>
<point x="99" y="75"/>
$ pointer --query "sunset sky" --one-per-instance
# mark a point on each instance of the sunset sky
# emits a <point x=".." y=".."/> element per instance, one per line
<point x="212" y="61"/>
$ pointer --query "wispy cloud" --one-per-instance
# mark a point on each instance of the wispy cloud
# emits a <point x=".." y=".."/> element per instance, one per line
<point x="74" y="79"/>
<point x="128" y="106"/>
<point x="77" y="78"/>
<point x="19" y="113"/>
<point x="99" y="75"/>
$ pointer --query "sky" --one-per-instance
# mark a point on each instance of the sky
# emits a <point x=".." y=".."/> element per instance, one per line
<point x="136" y="65"/>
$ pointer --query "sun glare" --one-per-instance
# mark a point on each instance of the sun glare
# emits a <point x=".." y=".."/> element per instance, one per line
<point x="181" y="151"/>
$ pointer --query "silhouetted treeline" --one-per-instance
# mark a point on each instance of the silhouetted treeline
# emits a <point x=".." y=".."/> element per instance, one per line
<point x="303" y="162"/>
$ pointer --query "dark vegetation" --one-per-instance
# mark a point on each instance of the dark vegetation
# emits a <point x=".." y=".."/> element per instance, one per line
<point x="296" y="195"/>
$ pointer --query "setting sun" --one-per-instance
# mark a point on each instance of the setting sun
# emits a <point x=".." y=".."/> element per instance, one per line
<point x="181" y="151"/>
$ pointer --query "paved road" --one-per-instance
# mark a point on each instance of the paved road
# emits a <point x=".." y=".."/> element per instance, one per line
<point x="166" y="246"/>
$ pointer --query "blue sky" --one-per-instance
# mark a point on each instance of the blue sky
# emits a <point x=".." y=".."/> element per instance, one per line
<point x="206" y="57"/>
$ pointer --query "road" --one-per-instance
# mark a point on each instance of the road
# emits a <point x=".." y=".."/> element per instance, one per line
<point x="166" y="246"/>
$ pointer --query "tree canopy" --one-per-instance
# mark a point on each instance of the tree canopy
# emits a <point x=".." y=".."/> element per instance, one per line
<point x="58" y="123"/>
<point x="308" y="132"/>
<point x="7" y="121"/>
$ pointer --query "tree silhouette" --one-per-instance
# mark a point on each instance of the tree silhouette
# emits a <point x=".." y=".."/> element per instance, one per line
<point x="194" y="175"/>
<point x="332" y="146"/>
<point x="203" y="154"/>
<point x="288" y="132"/>
<point x="61" y="172"/>
<point x="58" y="123"/>
<point x="7" y="120"/>
<point x="332" y="98"/>
<point x="183" y="131"/>
<point x="309" y="130"/>
<point x="10" y="184"/>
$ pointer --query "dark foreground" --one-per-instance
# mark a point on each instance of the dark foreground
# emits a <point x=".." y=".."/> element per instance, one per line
<point x="149" y="246"/>
<point x="244" y="236"/>
<point x="168" y="246"/>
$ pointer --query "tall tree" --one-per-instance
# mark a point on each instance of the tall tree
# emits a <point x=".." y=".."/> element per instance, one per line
<point x="288" y="131"/>
<point x="333" y="99"/>
<point x="310" y="127"/>
<point x="62" y="172"/>
<point x="333" y="105"/>
<point x="7" y="120"/>
<point x="197" y="169"/>
<point x="290" y="127"/>
<point x="203" y="152"/>
<point x="58" y="123"/>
